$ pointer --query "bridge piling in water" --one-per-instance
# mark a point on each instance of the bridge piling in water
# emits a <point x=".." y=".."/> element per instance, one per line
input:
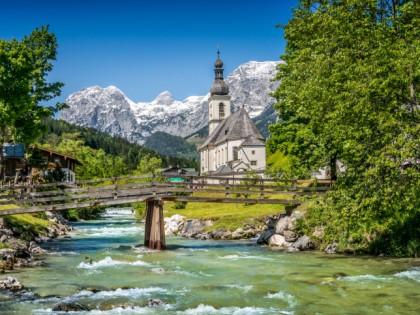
<point x="154" y="232"/>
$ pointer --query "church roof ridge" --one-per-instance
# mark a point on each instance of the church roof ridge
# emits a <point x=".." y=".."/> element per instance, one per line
<point x="237" y="126"/>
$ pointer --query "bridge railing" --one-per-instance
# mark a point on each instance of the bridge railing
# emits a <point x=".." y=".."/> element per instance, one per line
<point x="124" y="190"/>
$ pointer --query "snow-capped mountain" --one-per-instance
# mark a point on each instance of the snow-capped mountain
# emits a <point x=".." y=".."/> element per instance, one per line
<point x="109" y="110"/>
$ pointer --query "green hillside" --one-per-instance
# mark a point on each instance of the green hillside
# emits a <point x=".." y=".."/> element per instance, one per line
<point x="131" y="153"/>
<point x="173" y="146"/>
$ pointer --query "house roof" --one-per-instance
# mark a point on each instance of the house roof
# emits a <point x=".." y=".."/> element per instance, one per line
<point x="223" y="169"/>
<point x="237" y="126"/>
<point x="51" y="152"/>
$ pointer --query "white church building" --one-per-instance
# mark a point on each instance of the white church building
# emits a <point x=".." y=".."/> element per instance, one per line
<point x="234" y="143"/>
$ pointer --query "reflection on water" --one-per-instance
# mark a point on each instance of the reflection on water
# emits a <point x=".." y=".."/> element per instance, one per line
<point x="104" y="268"/>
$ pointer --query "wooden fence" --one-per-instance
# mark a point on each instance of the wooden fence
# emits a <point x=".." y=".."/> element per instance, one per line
<point x="16" y="199"/>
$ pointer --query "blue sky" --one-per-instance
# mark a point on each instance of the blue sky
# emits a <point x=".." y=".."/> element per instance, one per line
<point x="146" y="47"/>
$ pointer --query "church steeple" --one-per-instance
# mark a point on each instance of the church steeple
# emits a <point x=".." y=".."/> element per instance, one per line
<point x="219" y="101"/>
<point x="219" y="86"/>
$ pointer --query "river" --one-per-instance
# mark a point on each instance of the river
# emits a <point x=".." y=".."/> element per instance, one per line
<point x="103" y="267"/>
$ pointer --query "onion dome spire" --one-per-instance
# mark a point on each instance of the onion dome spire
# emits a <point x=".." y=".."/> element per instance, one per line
<point x="219" y="86"/>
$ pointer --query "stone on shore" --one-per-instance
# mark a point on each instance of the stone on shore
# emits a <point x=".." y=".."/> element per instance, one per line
<point x="278" y="240"/>
<point x="303" y="243"/>
<point x="331" y="248"/>
<point x="10" y="283"/>
<point x="174" y="225"/>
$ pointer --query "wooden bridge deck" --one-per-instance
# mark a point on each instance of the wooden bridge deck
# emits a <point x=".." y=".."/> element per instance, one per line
<point x="125" y="190"/>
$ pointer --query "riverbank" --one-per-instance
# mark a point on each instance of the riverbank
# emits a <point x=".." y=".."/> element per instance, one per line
<point x="20" y="239"/>
<point x="276" y="226"/>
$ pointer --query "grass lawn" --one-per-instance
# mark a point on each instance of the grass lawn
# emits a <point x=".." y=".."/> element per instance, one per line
<point x="26" y="222"/>
<point x="229" y="216"/>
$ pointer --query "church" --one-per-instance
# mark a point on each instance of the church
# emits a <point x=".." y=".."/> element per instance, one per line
<point x="234" y="143"/>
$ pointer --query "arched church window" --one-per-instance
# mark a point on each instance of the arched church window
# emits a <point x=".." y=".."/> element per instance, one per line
<point x="235" y="153"/>
<point x="221" y="110"/>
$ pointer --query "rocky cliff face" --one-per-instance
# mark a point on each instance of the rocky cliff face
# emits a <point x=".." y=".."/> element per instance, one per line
<point x="109" y="110"/>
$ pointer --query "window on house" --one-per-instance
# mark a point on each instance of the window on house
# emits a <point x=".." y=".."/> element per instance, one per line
<point x="221" y="110"/>
<point x="235" y="153"/>
<point x="254" y="163"/>
<point x="253" y="151"/>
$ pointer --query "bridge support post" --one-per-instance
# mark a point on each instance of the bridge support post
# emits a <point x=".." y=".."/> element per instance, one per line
<point x="154" y="232"/>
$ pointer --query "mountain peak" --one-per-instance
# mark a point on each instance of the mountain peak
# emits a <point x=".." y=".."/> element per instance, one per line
<point x="109" y="110"/>
<point x="164" y="98"/>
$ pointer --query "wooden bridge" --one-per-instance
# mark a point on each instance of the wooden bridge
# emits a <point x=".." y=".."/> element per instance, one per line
<point x="154" y="190"/>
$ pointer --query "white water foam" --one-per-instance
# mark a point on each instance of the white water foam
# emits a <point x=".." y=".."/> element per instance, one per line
<point x="413" y="274"/>
<point x="208" y="310"/>
<point x="283" y="295"/>
<point x="126" y="310"/>
<point x="237" y="257"/>
<point x="364" y="278"/>
<point x="109" y="262"/>
<point x="112" y="231"/>
<point x="131" y="294"/>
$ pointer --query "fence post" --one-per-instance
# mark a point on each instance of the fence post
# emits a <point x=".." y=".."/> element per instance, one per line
<point x="227" y="188"/>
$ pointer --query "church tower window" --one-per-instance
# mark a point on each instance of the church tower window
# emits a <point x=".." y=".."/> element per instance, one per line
<point x="221" y="110"/>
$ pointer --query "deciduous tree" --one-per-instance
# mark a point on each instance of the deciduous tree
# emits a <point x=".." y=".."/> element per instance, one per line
<point x="24" y="67"/>
<point x="350" y="91"/>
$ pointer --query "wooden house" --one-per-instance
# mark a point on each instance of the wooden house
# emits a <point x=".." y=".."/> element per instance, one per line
<point x="67" y="162"/>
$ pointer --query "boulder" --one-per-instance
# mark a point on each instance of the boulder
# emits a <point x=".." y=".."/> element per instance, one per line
<point x="278" y="240"/>
<point x="10" y="283"/>
<point x="155" y="302"/>
<point x="238" y="234"/>
<point x="222" y="234"/>
<point x="203" y="236"/>
<point x="303" y="243"/>
<point x="6" y="232"/>
<point x="270" y="222"/>
<point x="292" y="219"/>
<point x="265" y="236"/>
<point x="70" y="307"/>
<point x="6" y="253"/>
<point x="35" y="249"/>
<point x="331" y="248"/>
<point x="7" y="259"/>
<point x="290" y="236"/>
<point x="195" y="226"/>
<point x="174" y="224"/>
<point x="20" y="247"/>
<point x="282" y="225"/>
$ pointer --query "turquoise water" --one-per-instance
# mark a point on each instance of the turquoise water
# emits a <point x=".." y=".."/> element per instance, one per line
<point x="103" y="267"/>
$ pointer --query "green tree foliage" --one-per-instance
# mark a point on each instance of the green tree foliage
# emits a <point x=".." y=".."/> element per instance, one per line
<point x="149" y="165"/>
<point x="24" y="67"/>
<point x="94" y="163"/>
<point x="131" y="153"/>
<point x="349" y="92"/>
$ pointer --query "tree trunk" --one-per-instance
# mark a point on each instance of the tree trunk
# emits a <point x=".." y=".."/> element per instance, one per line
<point x="333" y="167"/>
